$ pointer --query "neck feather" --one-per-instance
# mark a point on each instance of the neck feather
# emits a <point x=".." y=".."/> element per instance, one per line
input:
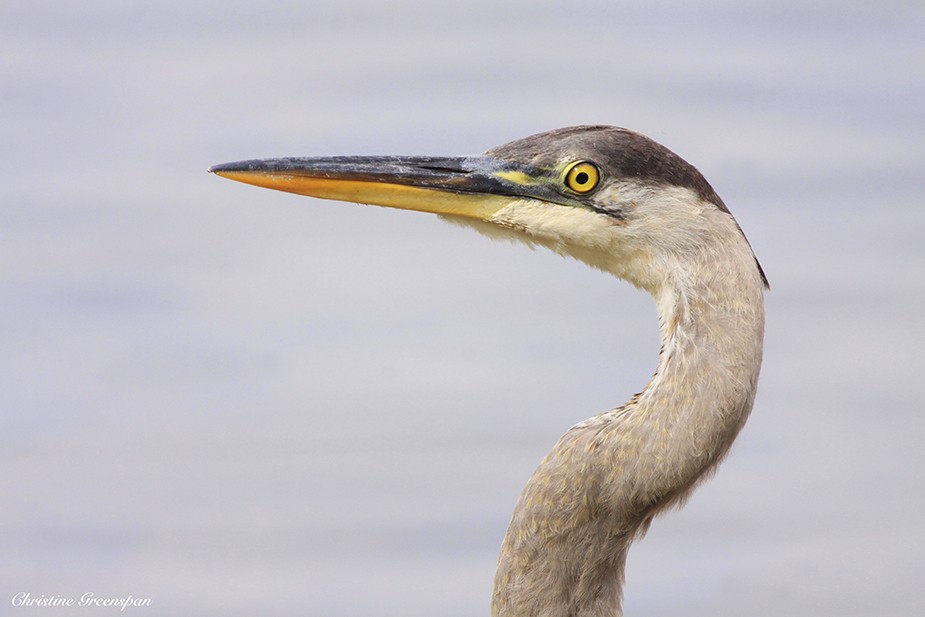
<point x="608" y="476"/>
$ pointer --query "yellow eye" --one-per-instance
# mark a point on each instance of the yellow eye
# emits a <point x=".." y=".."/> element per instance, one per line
<point x="582" y="177"/>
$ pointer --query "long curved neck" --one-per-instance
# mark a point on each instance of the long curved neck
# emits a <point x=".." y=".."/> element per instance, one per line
<point x="608" y="476"/>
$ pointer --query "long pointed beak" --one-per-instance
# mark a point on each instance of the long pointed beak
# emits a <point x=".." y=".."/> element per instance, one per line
<point x="475" y="186"/>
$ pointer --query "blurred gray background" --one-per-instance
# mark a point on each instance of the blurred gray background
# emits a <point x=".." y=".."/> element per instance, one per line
<point x="239" y="402"/>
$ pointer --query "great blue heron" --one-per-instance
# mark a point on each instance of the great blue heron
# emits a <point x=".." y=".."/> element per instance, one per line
<point x="622" y="203"/>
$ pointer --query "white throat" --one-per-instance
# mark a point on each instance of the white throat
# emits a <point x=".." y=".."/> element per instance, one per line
<point x="608" y="476"/>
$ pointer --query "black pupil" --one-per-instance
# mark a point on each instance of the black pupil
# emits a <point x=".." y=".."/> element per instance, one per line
<point x="582" y="177"/>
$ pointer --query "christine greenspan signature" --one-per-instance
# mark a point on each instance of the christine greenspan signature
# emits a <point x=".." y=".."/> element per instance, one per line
<point x="88" y="599"/>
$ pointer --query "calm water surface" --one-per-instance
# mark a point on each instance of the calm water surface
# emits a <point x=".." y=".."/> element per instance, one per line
<point x="238" y="402"/>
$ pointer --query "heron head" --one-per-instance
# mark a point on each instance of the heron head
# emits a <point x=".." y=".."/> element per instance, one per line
<point x="608" y="196"/>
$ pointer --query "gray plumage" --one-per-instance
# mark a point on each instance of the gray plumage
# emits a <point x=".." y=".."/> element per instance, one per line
<point x="638" y="211"/>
